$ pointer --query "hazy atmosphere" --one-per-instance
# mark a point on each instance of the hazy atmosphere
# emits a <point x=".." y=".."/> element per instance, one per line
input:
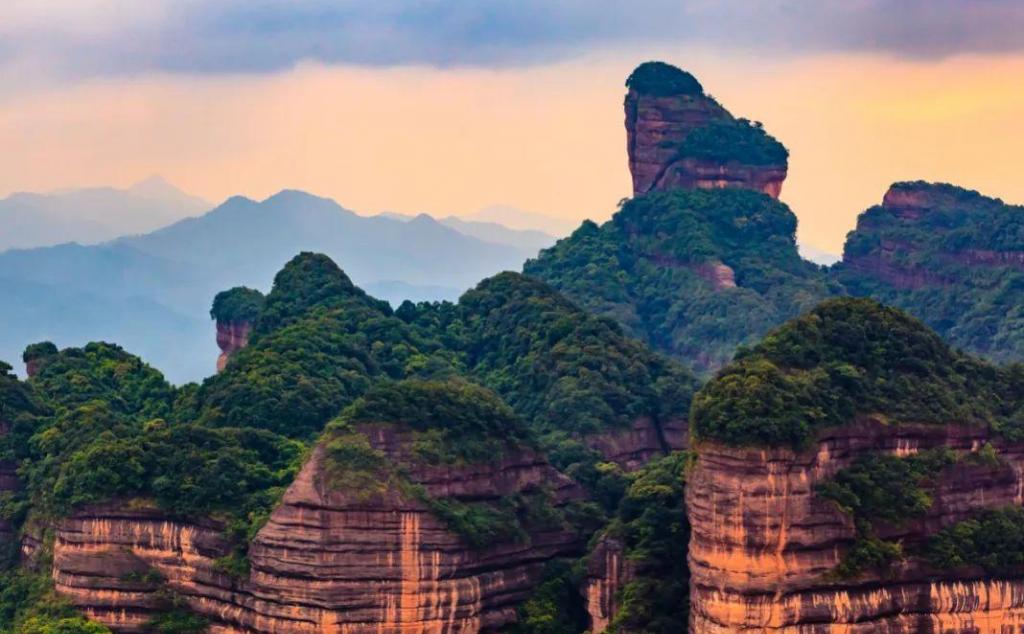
<point x="449" y="107"/>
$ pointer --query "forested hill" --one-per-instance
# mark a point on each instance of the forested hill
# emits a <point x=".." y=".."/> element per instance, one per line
<point x="693" y="273"/>
<point x="513" y="370"/>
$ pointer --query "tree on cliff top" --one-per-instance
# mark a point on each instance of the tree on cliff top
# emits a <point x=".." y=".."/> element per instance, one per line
<point x="663" y="80"/>
<point x="239" y="304"/>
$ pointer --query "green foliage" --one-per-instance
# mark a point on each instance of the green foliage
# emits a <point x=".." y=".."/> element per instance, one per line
<point x="239" y="304"/>
<point x="868" y="553"/>
<point x="883" y="487"/>
<point x="994" y="540"/>
<point x="454" y="420"/>
<point x="651" y="267"/>
<point x="38" y="351"/>
<point x="482" y="523"/>
<point x="663" y="80"/>
<point x="976" y="305"/>
<point x="734" y="140"/>
<point x="844" y="358"/>
<point x="555" y="606"/>
<point x="103" y="371"/>
<point x="560" y="368"/>
<point x="652" y="525"/>
<point x="28" y="604"/>
<point x="68" y="625"/>
<point x="308" y="281"/>
<point x="177" y="621"/>
<point x="293" y="380"/>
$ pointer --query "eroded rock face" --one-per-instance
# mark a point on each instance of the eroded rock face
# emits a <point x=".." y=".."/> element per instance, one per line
<point x="608" y="572"/>
<point x="327" y="560"/>
<point x="657" y="125"/>
<point x="762" y="542"/>
<point x="231" y="337"/>
<point x="634" y="447"/>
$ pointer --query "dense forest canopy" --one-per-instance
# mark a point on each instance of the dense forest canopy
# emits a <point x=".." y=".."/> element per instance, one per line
<point x="663" y="80"/>
<point x="851" y="357"/>
<point x="655" y="267"/>
<point x="957" y="262"/>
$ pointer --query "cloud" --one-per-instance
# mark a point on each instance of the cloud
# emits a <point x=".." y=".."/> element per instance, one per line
<point x="116" y="37"/>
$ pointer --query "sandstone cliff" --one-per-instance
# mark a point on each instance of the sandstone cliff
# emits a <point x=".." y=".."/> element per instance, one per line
<point x="328" y="560"/>
<point x="664" y="106"/>
<point x="232" y="336"/>
<point x="763" y="544"/>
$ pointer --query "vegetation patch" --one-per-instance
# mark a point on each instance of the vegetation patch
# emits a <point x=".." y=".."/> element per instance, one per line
<point x="890" y="489"/>
<point x="845" y="358"/>
<point x="237" y="305"/>
<point x="993" y="539"/>
<point x="734" y="140"/>
<point x="663" y="80"/>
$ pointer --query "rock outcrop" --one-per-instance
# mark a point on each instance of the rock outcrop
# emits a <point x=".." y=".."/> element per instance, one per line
<point x="634" y="447"/>
<point x="328" y="560"/>
<point x="608" y="572"/>
<point x="232" y="336"/>
<point x="763" y="544"/>
<point x="663" y="107"/>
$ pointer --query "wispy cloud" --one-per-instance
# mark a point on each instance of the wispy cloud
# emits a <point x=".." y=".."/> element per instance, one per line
<point x="76" y="38"/>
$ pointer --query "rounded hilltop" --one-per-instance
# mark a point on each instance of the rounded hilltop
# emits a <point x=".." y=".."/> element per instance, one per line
<point x="663" y="80"/>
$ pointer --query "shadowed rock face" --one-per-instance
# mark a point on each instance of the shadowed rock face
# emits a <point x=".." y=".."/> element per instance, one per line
<point x="231" y="337"/>
<point x="327" y="560"/>
<point x="762" y="541"/>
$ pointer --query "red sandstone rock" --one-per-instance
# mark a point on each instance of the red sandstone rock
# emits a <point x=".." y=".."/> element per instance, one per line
<point x="657" y="125"/>
<point x="762" y="542"/>
<point x="231" y="337"/>
<point x="327" y="561"/>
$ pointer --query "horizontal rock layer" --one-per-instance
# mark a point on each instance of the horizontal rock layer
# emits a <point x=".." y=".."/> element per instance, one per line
<point x="326" y="561"/>
<point x="762" y="542"/>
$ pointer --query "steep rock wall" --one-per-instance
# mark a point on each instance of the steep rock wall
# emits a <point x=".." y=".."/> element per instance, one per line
<point x="231" y="337"/>
<point x="763" y="543"/>
<point x="655" y="128"/>
<point x="327" y="560"/>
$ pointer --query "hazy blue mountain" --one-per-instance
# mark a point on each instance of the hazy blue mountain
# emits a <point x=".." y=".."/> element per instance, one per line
<point x="531" y="239"/>
<point x="818" y="256"/>
<point x="515" y="218"/>
<point x="92" y="215"/>
<point x="155" y="289"/>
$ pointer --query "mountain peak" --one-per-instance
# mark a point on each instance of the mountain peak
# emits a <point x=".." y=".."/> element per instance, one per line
<point x="680" y="138"/>
<point x="663" y="80"/>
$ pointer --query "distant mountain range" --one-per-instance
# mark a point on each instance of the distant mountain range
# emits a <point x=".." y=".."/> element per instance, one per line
<point x="532" y="239"/>
<point x="93" y="215"/>
<point x="152" y="292"/>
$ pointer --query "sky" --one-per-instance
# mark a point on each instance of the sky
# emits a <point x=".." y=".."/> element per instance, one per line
<point x="450" y="106"/>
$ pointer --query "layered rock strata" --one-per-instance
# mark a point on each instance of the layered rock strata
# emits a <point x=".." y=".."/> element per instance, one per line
<point x="608" y="572"/>
<point x="763" y="544"/>
<point x="328" y="560"/>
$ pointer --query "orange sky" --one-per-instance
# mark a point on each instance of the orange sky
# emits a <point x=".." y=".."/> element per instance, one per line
<point x="544" y="138"/>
